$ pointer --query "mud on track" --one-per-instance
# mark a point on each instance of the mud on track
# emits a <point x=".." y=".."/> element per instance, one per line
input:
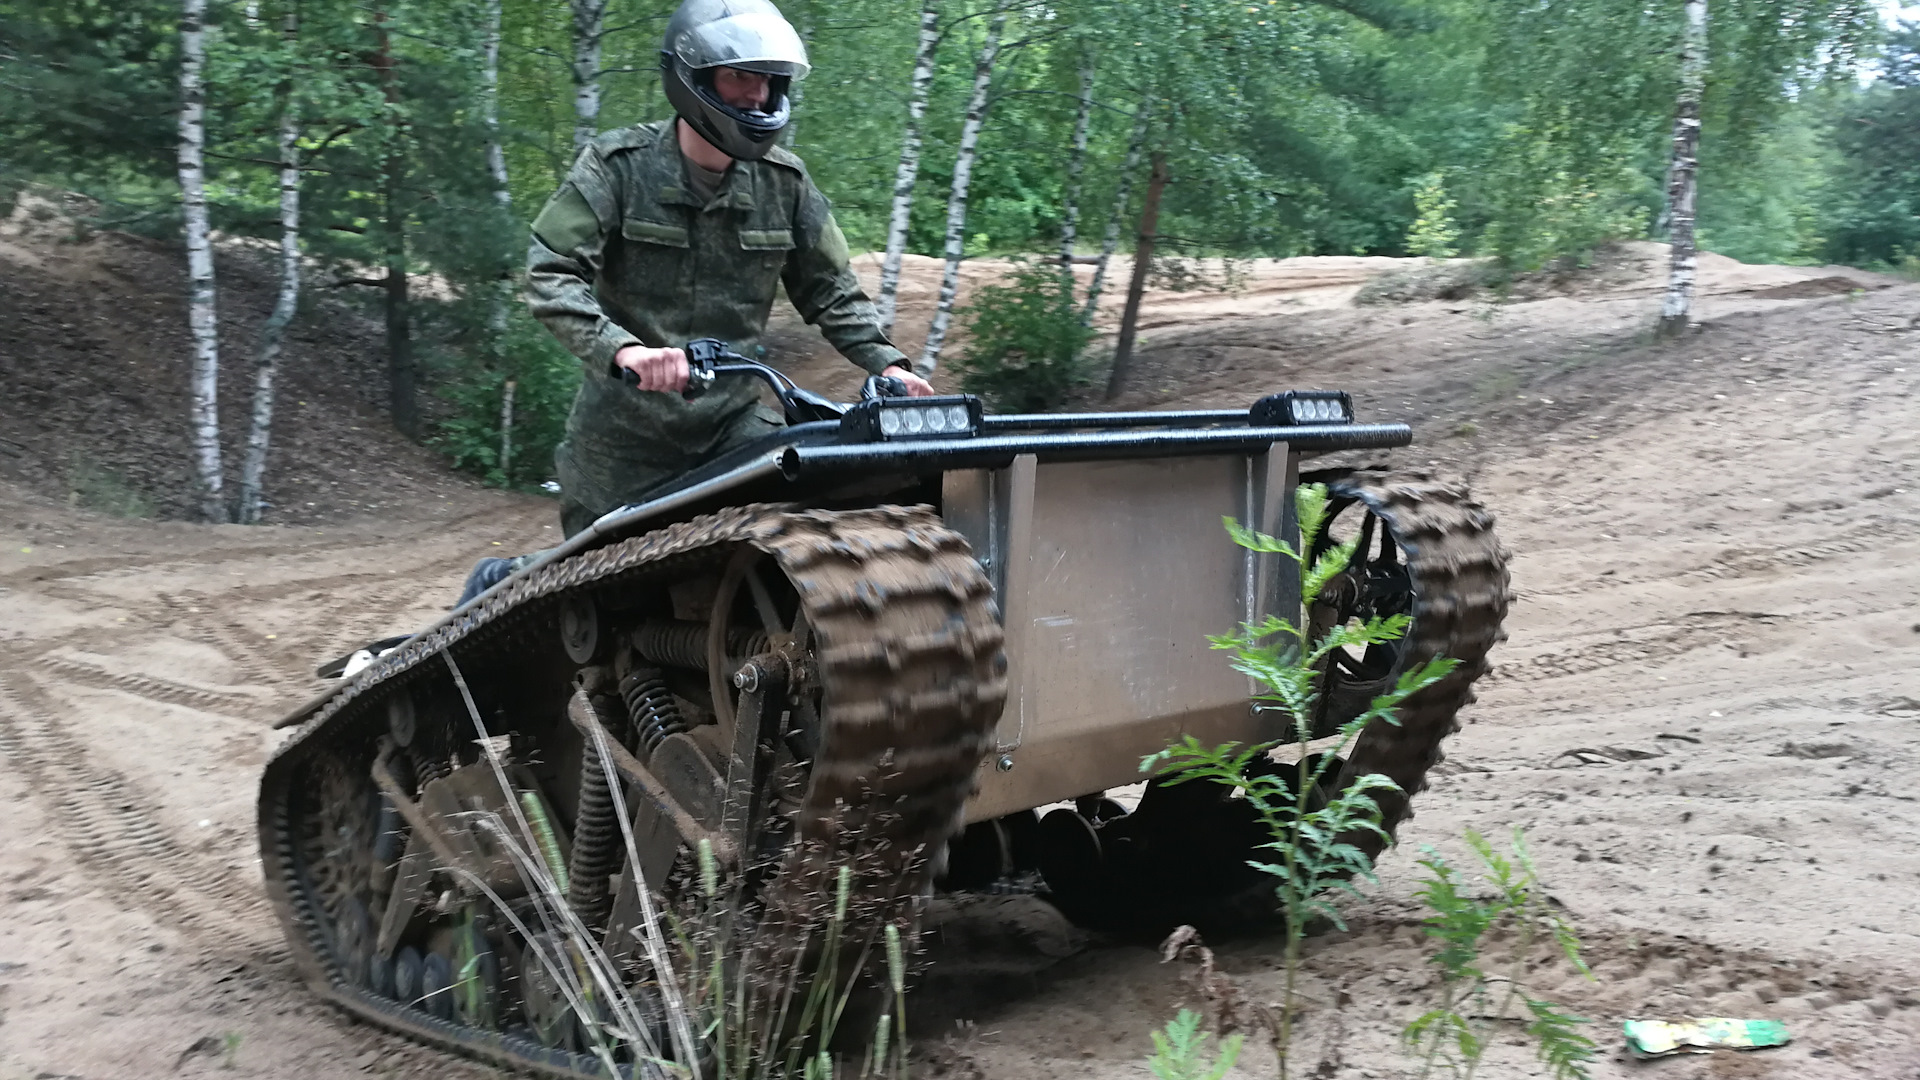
<point x="1706" y="717"/>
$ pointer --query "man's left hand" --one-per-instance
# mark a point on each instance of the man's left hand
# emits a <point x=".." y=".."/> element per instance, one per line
<point x="916" y="386"/>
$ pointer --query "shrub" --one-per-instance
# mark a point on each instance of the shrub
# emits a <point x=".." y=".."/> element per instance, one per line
<point x="1313" y="846"/>
<point x="1026" y="342"/>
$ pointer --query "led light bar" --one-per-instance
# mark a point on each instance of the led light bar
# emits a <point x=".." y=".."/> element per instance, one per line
<point x="1298" y="408"/>
<point x="949" y="416"/>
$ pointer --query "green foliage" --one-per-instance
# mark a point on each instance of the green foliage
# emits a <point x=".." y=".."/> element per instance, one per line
<point x="1875" y="218"/>
<point x="1025" y="340"/>
<point x="1180" y="1051"/>
<point x="1311" y="818"/>
<point x="545" y="378"/>
<point x="1454" y="1034"/>
<point x="1433" y="232"/>
<point x="95" y="487"/>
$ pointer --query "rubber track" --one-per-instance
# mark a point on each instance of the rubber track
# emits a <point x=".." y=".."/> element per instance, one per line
<point x="914" y="679"/>
<point x="1460" y="596"/>
<point x="114" y="832"/>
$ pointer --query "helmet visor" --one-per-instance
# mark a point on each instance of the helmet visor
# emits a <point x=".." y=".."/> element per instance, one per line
<point x="759" y="41"/>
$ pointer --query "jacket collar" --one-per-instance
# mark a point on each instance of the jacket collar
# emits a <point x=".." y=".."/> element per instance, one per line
<point x="667" y="171"/>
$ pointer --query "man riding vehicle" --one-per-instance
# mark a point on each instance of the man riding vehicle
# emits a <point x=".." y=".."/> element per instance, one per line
<point x="668" y="232"/>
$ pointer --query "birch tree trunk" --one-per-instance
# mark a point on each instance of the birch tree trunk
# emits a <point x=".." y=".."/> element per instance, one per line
<point x="1136" y="143"/>
<point x="909" y="169"/>
<point x="253" y="467"/>
<point x="957" y="197"/>
<point x="589" y="27"/>
<point x="1681" y="178"/>
<point x="496" y="164"/>
<point x="506" y="431"/>
<point x="1076" y="163"/>
<point x="503" y="197"/>
<point x="204" y="411"/>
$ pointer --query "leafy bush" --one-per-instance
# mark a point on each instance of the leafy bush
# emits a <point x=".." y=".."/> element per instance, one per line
<point x="1026" y="341"/>
<point x="1180" y="1051"/>
<point x="1313" y="847"/>
<point x="1454" y="1033"/>
<point x="545" y="377"/>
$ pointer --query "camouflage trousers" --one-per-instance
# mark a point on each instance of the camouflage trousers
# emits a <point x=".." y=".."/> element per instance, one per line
<point x="598" y="476"/>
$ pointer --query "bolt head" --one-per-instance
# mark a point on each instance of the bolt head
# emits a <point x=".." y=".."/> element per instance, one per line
<point x="746" y="678"/>
<point x="1005" y="764"/>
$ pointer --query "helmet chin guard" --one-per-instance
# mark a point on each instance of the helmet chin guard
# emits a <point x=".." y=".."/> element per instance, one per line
<point x="750" y="35"/>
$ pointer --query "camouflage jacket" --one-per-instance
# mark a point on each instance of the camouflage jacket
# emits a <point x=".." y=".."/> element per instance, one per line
<point x="624" y="254"/>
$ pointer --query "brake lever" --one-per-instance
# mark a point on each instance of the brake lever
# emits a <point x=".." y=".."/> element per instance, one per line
<point x="882" y="386"/>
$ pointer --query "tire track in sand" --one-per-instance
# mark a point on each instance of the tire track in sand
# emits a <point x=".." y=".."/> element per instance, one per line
<point x="114" y="832"/>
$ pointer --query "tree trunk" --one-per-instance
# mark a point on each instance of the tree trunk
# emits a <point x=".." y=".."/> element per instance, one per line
<point x="254" y="468"/>
<point x="589" y="27"/>
<point x="1681" y="180"/>
<point x="497" y="169"/>
<point x="205" y="410"/>
<point x="957" y="197"/>
<point x="909" y="170"/>
<point x="401" y="403"/>
<point x="400" y="389"/>
<point x="1076" y="162"/>
<point x="1135" y="144"/>
<point x="1142" y="261"/>
<point x="506" y="432"/>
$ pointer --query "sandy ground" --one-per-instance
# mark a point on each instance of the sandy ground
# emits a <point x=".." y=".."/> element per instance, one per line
<point x="1707" y="718"/>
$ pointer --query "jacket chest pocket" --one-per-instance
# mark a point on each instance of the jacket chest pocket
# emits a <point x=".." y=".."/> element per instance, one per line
<point x="658" y="257"/>
<point x="764" y="247"/>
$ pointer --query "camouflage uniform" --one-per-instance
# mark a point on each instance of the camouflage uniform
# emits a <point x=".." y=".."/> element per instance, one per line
<point x="625" y="254"/>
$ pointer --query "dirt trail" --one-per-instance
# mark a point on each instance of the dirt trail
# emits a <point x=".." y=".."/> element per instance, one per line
<point x="1706" y="718"/>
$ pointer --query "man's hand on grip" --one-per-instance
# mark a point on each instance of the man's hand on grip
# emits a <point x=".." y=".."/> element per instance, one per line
<point x="657" y="369"/>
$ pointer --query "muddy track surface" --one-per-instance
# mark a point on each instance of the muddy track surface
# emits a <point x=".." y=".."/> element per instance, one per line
<point x="1705" y="717"/>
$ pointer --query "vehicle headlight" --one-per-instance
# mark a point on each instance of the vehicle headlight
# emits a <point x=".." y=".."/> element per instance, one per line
<point x="950" y="416"/>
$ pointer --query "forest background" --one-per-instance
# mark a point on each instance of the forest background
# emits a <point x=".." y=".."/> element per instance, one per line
<point x="395" y="150"/>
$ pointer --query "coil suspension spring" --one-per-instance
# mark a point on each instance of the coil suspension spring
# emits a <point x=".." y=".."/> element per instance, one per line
<point x="651" y="706"/>
<point x="596" y="855"/>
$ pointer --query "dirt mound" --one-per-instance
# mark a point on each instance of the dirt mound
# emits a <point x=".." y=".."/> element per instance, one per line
<point x="1832" y="285"/>
<point x="94" y="384"/>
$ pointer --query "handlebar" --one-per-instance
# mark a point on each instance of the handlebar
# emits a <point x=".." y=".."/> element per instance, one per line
<point x="710" y="358"/>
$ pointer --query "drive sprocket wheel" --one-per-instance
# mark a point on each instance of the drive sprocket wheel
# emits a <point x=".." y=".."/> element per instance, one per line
<point x="1426" y="550"/>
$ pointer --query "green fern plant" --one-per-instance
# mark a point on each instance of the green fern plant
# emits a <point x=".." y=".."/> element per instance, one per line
<point x="1180" y="1051"/>
<point x="1453" y="1034"/>
<point x="1309" y="828"/>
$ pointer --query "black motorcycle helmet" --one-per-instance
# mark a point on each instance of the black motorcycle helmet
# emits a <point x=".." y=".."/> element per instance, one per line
<point x="750" y="35"/>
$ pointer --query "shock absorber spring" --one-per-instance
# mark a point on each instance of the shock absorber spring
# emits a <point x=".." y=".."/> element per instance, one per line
<point x="651" y="706"/>
<point x="594" y="855"/>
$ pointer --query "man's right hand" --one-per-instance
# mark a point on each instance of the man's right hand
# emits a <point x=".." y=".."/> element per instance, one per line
<point x="657" y="369"/>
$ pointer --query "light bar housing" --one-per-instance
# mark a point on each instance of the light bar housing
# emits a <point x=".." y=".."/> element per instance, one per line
<point x="1301" y="408"/>
<point x="944" y="416"/>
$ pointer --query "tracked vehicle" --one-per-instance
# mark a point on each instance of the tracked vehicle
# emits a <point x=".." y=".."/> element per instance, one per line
<point x="902" y="635"/>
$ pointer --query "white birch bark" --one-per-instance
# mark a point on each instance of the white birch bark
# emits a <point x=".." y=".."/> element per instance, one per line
<point x="1681" y="178"/>
<point x="496" y="160"/>
<point x="205" y="408"/>
<point x="506" y="431"/>
<point x="957" y="196"/>
<point x="1136" y="143"/>
<point x="589" y="27"/>
<point x="266" y="362"/>
<point x="1076" y="163"/>
<point x="908" y="171"/>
